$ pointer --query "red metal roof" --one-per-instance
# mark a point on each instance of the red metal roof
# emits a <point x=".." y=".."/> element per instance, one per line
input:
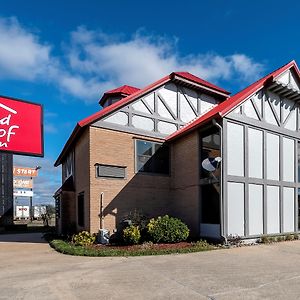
<point x="200" y="81"/>
<point x="124" y="90"/>
<point x="139" y="92"/>
<point x="218" y="111"/>
<point x="229" y="104"/>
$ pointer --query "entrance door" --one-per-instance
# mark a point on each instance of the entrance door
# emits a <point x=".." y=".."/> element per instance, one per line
<point x="210" y="184"/>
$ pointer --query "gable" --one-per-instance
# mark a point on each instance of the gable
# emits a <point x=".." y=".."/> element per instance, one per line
<point x="160" y="112"/>
<point x="289" y="78"/>
<point x="270" y="107"/>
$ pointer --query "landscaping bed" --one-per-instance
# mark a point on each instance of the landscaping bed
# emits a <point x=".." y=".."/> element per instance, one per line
<point x="69" y="248"/>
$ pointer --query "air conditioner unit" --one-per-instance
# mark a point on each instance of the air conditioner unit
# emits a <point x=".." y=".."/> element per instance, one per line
<point x="103" y="236"/>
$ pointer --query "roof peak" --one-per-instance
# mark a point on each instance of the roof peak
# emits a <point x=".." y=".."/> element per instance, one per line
<point x="123" y="90"/>
<point x="126" y="89"/>
<point x="191" y="77"/>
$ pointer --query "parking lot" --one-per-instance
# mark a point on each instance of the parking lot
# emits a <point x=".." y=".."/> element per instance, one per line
<point x="30" y="269"/>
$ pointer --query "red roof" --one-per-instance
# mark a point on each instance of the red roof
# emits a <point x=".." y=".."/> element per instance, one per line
<point x="196" y="79"/>
<point x="229" y="104"/>
<point x="139" y="92"/>
<point x="124" y="90"/>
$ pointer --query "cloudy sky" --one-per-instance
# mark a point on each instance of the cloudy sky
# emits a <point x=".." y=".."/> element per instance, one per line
<point x="65" y="54"/>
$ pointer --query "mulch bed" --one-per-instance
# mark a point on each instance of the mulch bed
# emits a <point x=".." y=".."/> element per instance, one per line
<point x="180" y="245"/>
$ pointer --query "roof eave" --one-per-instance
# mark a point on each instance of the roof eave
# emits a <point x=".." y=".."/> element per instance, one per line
<point x="224" y="93"/>
<point x="70" y="140"/>
<point x="107" y="95"/>
<point x="177" y="135"/>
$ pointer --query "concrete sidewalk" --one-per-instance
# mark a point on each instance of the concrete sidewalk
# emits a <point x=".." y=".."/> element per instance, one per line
<point x="35" y="271"/>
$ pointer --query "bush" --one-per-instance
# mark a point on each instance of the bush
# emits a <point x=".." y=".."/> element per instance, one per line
<point x="167" y="230"/>
<point x="131" y="235"/>
<point x="84" y="238"/>
<point x="136" y="218"/>
<point x="265" y="239"/>
<point x="201" y="244"/>
<point x="289" y="237"/>
<point x="280" y="239"/>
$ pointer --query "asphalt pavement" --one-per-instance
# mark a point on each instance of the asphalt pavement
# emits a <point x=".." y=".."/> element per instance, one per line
<point x="30" y="269"/>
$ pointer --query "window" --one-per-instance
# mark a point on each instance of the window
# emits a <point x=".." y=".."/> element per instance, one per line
<point x="210" y="180"/>
<point x="107" y="171"/>
<point x="152" y="157"/>
<point x="210" y="148"/>
<point x="80" y="209"/>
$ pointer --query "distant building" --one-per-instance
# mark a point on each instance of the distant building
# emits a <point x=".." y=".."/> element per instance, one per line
<point x="150" y="149"/>
<point x="6" y="188"/>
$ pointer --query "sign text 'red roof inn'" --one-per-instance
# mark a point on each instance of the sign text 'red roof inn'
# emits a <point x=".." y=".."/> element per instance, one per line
<point x="21" y="127"/>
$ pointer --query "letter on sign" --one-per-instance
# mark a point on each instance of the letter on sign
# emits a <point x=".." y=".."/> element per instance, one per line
<point x="25" y="172"/>
<point x="21" y="127"/>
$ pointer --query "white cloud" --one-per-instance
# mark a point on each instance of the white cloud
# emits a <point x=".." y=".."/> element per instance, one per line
<point x="93" y="62"/>
<point x="22" y="55"/>
<point x="142" y="59"/>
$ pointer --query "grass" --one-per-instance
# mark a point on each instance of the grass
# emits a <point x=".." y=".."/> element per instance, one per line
<point x="70" y="249"/>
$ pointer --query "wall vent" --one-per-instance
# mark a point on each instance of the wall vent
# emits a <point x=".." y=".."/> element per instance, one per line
<point x="108" y="171"/>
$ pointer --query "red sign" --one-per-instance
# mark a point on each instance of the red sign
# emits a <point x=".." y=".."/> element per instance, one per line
<point x="21" y="127"/>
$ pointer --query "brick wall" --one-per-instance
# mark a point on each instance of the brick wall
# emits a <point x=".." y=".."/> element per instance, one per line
<point x="185" y="181"/>
<point x="148" y="193"/>
<point x="82" y="178"/>
<point x="68" y="213"/>
<point x="154" y="195"/>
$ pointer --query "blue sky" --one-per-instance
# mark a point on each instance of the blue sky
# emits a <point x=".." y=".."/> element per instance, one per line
<point x="65" y="54"/>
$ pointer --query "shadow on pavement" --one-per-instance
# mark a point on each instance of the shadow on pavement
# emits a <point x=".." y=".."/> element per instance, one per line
<point x="36" y="237"/>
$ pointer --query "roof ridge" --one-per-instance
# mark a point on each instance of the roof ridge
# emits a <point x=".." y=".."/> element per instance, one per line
<point x="223" y="108"/>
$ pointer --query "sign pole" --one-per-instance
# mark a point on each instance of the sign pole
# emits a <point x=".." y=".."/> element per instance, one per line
<point x="30" y="206"/>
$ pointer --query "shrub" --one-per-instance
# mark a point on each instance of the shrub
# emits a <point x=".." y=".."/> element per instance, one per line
<point x="265" y="239"/>
<point x="167" y="230"/>
<point x="289" y="237"/>
<point x="136" y="218"/>
<point x="147" y="245"/>
<point x="131" y="235"/>
<point x="272" y="239"/>
<point x="84" y="238"/>
<point x="201" y="244"/>
<point x="280" y="239"/>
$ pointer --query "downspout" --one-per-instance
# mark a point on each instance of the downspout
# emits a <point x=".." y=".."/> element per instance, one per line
<point x="101" y="211"/>
<point x="215" y="123"/>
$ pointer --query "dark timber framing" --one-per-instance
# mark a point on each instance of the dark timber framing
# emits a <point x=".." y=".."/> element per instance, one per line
<point x="175" y="119"/>
<point x="247" y="122"/>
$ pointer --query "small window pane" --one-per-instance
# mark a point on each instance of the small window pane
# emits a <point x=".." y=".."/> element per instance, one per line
<point x="152" y="157"/>
<point x="272" y="156"/>
<point x="235" y="149"/>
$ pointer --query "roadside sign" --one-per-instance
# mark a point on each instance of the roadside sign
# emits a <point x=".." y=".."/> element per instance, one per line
<point x="21" y="127"/>
<point x="25" y="172"/>
<point x="22" y="193"/>
<point x="23" y="183"/>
